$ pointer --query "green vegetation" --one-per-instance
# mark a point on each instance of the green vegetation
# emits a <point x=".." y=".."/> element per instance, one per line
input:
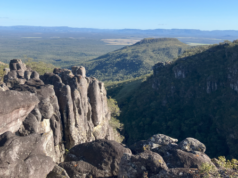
<point x="61" y="52"/>
<point x="134" y="61"/>
<point x="114" y="122"/>
<point x="2" y="66"/>
<point x="40" y="66"/>
<point x="121" y="90"/>
<point x="228" y="168"/>
<point x="200" y="102"/>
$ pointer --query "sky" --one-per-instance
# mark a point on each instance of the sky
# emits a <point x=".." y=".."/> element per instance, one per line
<point x="122" y="14"/>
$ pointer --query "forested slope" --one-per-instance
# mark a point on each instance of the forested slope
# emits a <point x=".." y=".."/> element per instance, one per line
<point x="136" y="60"/>
<point x="193" y="96"/>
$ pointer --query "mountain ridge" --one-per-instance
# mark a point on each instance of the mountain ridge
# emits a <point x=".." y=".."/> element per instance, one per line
<point x="135" y="60"/>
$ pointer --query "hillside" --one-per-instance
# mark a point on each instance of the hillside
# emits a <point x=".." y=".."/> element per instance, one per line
<point x="136" y="60"/>
<point x="193" y="96"/>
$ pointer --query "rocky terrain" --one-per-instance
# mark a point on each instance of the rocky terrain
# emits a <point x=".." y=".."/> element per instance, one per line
<point x="57" y="126"/>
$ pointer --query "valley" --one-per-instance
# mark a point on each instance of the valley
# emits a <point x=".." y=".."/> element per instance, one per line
<point x="90" y="91"/>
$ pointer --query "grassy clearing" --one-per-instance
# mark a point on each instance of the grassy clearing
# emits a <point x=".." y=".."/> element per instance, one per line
<point x="197" y="44"/>
<point x="120" y="41"/>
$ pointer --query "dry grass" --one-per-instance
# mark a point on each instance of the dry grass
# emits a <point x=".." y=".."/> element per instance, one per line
<point x="1" y="63"/>
<point x="196" y="44"/>
<point x="120" y="41"/>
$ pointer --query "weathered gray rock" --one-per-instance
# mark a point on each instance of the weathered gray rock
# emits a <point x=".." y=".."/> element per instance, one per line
<point x="179" y="172"/>
<point x="73" y="107"/>
<point x="81" y="169"/>
<point x="181" y="159"/>
<point x="23" y="157"/>
<point x="58" y="172"/>
<point x="99" y="158"/>
<point x="14" y="108"/>
<point x="191" y="144"/>
<point x="18" y="73"/>
<point x="159" y="143"/>
<point x="45" y="118"/>
<point x="3" y="87"/>
<point x="83" y="105"/>
<point x="162" y="139"/>
<point x="145" y="164"/>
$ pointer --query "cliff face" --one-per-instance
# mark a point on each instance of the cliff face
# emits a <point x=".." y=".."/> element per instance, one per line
<point x="195" y="95"/>
<point x="83" y="105"/>
<point x="70" y="109"/>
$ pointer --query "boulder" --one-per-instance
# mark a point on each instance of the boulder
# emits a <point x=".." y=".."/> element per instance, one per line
<point x="146" y="164"/>
<point x="140" y="146"/>
<point x="159" y="143"/>
<point x="23" y="157"/>
<point x="99" y="158"/>
<point x="191" y="144"/>
<point x="14" y="108"/>
<point x="179" y="172"/>
<point x="58" y="172"/>
<point x="181" y="159"/>
<point x="81" y="169"/>
<point x="162" y="139"/>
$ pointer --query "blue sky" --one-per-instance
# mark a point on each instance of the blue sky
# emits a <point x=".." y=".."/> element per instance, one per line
<point x="121" y="14"/>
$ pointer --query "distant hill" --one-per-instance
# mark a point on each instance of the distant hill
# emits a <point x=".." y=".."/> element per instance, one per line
<point x="193" y="96"/>
<point x="135" y="60"/>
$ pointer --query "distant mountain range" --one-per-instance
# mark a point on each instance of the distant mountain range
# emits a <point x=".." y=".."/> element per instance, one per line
<point x="161" y="32"/>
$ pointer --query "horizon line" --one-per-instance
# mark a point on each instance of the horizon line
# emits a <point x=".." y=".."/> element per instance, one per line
<point x="114" y="29"/>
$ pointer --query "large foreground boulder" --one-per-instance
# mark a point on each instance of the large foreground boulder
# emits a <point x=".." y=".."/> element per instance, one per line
<point x="99" y="158"/>
<point x="23" y="157"/>
<point x="14" y="108"/>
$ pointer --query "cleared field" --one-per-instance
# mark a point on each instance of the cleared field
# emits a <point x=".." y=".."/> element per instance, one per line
<point x="120" y="41"/>
<point x="196" y="44"/>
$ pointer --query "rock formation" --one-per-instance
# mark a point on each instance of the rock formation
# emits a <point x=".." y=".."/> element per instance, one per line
<point x="23" y="157"/>
<point x="66" y="108"/>
<point x="83" y="105"/>
<point x="145" y="164"/>
<point x="14" y="107"/>
<point x="99" y="158"/>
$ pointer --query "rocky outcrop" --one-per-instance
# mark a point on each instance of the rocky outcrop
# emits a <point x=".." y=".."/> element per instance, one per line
<point x="23" y="157"/>
<point x="185" y="159"/>
<point x="72" y="108"/>
<point x="145" y="164"/>
<point x="83" y="105"/>
<point x="45" y="117"/>
<point x="14" y="108"/>
<point x="99" y="158"/>
<point x="191" y="144"/>
<point x="179" y="172"/>
<point x="58" y="172"/>
<point x="160" y="143"/>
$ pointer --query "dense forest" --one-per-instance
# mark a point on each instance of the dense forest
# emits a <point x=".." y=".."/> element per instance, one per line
<point x="193" y="96"/>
